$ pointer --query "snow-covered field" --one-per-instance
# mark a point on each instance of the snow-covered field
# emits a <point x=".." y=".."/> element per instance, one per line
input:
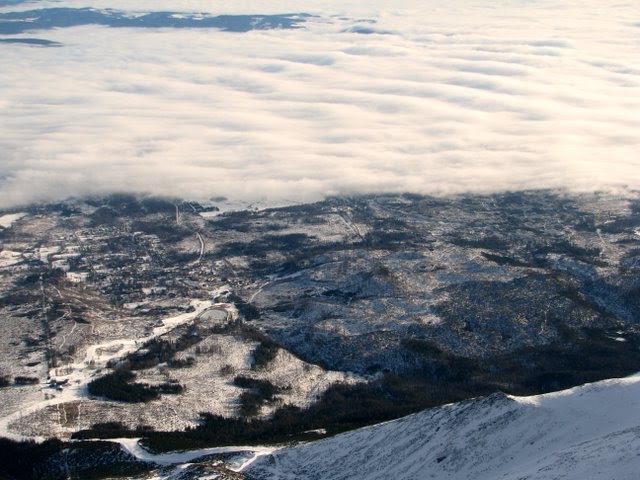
<point x="591" y="431"/>
<point x="19" y="424"/>
<point x="9" y="258"/>
<point x="9" y="219"/>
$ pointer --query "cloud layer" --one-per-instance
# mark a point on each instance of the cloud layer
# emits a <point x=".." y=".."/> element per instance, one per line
<point x="472" y="97"/>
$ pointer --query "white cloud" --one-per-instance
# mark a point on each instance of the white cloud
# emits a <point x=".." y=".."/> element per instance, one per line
<point x="475" y="96"/>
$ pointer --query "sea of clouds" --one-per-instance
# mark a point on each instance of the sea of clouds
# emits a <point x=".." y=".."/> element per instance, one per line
<point x="436" y="97"/>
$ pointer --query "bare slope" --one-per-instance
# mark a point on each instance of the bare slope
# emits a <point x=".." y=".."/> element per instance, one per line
<point x="584" y="432"/>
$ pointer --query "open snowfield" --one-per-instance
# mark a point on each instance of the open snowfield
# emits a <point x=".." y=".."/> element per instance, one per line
<point x="9" y="219"/>
<point x="363" y="97"/>
<point x="585" y="432"/>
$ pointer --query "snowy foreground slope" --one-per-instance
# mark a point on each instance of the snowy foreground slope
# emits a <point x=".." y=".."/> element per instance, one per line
<point x="592" y="431"/>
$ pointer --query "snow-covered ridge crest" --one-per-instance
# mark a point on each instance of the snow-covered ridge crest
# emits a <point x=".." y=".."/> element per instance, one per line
<point x="590" y="431"/>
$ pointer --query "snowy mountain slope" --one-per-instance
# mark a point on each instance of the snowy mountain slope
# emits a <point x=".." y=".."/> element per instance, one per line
<point x="592" y="431"/>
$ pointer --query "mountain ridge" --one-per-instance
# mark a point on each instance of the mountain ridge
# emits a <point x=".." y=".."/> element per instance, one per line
<point x="590" y="431"/>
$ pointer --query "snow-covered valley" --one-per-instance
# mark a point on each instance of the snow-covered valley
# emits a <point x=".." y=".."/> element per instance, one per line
<point x="160" y="336"/>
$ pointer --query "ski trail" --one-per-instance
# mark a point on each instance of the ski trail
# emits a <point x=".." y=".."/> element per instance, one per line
<point x="79" y="374"/>
<point x="133" y="446"/>
<point x="202" y="247"/>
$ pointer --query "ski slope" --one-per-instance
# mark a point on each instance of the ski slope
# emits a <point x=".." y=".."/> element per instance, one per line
<point x="592" y="431"/>
<point x="80" y="374"/>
